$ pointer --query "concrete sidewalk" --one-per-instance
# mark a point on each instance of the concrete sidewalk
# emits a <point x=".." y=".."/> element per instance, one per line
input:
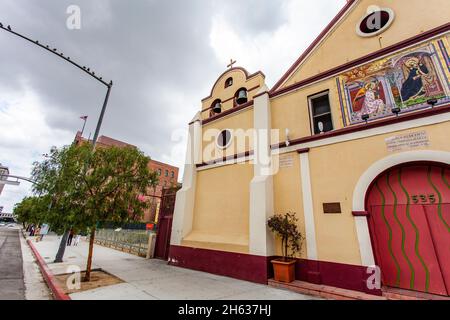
<point x="35" y="286"/>
<point x="154" y="279"/>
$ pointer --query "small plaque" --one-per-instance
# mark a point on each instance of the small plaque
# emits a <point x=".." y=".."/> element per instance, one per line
<point x="407" y="141"/>
<point x="286" y="161"/>
<point x="332" y="208"/>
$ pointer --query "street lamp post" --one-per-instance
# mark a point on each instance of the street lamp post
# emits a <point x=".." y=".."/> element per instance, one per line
<point x="83" y="68"/>
<point x="87" y="70"/>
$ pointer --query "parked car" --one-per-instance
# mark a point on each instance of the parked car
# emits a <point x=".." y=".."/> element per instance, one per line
<point x="6" y="222"/>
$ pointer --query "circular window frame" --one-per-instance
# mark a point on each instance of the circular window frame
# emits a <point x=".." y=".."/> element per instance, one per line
<point x="383" y="29"/>
<point x="229" y="142"/>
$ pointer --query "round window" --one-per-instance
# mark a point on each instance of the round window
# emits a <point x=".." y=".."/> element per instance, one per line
<point x="224" y="139"/>
<point x="375" y="22"/>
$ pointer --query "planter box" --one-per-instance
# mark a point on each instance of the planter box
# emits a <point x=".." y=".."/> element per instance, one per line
<point x="284" y="271"/>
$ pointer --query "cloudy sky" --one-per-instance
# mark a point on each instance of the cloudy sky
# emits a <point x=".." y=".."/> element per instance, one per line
<point x="163" y="56"/>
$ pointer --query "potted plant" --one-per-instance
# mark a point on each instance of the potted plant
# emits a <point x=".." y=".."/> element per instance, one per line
<point x="285" y="227"/>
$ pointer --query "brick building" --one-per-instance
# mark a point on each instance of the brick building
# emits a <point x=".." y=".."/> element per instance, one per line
<point x="168" y="175"/>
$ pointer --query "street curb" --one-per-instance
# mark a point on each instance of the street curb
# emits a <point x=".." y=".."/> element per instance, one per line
<point x="49" y="278"/>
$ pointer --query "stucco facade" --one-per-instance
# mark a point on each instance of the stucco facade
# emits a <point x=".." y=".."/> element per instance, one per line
<point x="388" y="106"/>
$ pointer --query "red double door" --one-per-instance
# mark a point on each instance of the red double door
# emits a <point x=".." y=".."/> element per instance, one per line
<point x="409" y="223"/>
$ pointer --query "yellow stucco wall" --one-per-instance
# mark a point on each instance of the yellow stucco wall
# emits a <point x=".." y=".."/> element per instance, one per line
<point x="343" y="44"/>
<point x="221" y="211"/>
<point x="240" y="124"/>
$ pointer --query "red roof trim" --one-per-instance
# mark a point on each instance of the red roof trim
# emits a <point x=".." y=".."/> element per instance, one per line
<point x="314" y="44"/>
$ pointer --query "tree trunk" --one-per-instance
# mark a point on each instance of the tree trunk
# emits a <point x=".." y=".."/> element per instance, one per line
<point x="286" y="248"/>
<point x="62" y="247"/>
<point x="87" y="277"/>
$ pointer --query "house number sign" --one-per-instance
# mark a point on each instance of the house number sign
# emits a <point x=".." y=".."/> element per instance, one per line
<point x="423" y="198"/>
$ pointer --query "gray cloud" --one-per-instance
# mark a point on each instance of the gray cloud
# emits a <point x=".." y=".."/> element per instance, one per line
<point x="253" y="17"/>
<point x="157" y="53"/>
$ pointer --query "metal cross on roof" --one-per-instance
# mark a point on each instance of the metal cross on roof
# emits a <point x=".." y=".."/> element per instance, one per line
<point x="231" y="63"/>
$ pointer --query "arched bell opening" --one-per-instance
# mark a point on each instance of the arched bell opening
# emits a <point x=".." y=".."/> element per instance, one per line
<point x="241" y="96"/>
<point x="229" y="82"/>
<point x="216" y="107"/>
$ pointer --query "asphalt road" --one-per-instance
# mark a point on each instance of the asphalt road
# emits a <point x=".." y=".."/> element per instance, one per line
<point x="12" y="285"/>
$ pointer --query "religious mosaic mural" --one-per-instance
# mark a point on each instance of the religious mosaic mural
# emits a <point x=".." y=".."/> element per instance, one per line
<point x="404" y="82"/>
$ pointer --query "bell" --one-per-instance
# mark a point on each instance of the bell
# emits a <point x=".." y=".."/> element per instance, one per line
<point x="242" y="96"/>
<point x="217" y="108"/>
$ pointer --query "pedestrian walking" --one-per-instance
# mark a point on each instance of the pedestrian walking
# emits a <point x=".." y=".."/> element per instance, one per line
<point x="32" y="228"/>
<point x="43" y="231"/>
<point x="77" y="240"/>
<point x="69" y="239"/>
<point x="37" y="233"/>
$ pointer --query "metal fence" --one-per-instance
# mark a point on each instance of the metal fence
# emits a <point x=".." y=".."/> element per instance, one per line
<point x="131" y="241"/>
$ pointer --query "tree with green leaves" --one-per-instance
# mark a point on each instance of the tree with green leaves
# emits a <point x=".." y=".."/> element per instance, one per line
<point x="88" y="187"/>
<point x="55" y="178"/>
<point x="30" y="210"/>
<point x="113" y="184"/>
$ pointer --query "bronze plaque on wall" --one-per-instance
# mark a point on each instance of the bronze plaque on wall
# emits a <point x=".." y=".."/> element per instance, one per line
<point x="332" y="207"/>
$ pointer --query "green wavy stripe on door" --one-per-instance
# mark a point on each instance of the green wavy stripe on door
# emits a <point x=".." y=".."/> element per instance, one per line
<point x="411" y="268"/>
<point x="416" y="245"/>
<point x="440" y="200"/>
<point x="444" y="178"/>
<point x="388" y="226"/>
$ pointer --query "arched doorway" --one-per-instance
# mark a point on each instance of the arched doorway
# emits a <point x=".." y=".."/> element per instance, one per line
<point x="409" y="218"/>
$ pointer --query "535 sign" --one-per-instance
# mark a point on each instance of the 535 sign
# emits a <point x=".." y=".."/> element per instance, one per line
<point x="423" y="198"/>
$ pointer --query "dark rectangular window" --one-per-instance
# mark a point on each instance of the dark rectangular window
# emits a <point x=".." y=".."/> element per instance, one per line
<point x="321" y="113"/>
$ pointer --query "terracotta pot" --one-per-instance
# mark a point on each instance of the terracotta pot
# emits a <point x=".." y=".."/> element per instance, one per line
<point x="284" y="271"/>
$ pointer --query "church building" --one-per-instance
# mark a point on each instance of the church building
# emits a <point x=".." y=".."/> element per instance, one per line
<point x="354" y="139"/>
